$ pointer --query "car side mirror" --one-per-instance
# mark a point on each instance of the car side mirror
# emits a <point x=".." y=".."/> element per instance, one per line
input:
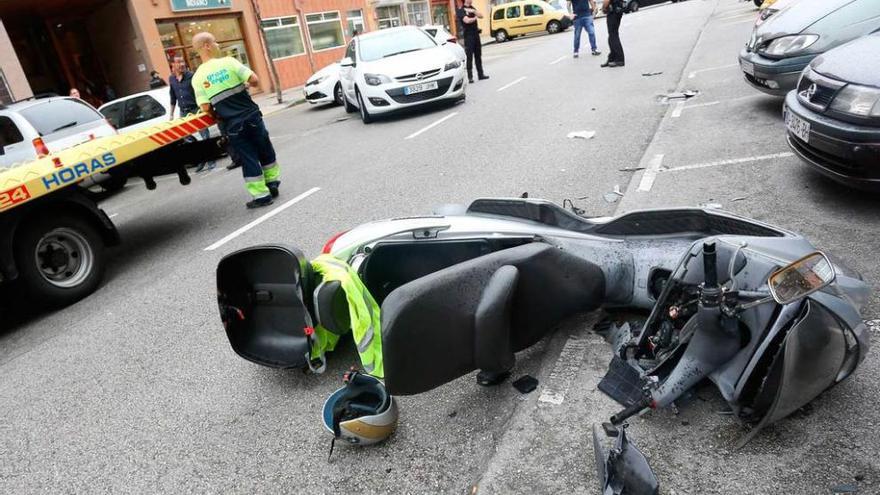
<point x="809" y="274"/>
<point x="347" y="62"/>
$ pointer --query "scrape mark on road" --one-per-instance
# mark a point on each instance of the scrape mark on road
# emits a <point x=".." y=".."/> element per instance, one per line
<point x="568" y="363"/>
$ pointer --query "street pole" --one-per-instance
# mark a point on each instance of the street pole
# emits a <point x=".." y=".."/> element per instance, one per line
<point x="272" y="70"/>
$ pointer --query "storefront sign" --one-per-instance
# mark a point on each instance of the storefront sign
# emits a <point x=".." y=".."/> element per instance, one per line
<point x="183" y="5"/>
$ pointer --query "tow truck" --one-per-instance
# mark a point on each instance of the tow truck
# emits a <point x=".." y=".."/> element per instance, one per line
<point x="53" y="234"/>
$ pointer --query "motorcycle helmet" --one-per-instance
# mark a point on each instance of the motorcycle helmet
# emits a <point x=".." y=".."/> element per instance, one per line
<point x="361" y="412"/>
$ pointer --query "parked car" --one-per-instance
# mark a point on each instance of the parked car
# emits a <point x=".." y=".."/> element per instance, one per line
<point x="36" y="127"/>
<point x="447" y="39"/>
<point x="398" y="68"/>
<point x="324" y="86"/>
<point x="770" y="8"/>
<point x="781" y="47"/>
<point x="143" y="110"/>
<point x="509" y="20"/>
<point x="833" y="117"/>
<point x="635" y="5"/>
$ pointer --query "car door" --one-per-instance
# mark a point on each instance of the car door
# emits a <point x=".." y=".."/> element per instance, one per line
<point x="533" y="18"/>
<point x="346" y="74"/>
<point x="14" y="148"/>
<point x="514" y="19"/>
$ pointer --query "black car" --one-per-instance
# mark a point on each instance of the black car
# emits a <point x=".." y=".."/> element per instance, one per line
<point x="833" y="117"/>
<point x="635" y="5"/>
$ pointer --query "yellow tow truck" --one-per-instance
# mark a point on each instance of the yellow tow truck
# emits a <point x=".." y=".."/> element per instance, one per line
<point x="53" y="234"/>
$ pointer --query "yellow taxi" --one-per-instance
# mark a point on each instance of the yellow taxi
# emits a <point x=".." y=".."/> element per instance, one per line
<point x="509" y="20"/>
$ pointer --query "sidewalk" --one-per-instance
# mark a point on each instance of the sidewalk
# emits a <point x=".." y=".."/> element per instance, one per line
<point x="289" y="97"/>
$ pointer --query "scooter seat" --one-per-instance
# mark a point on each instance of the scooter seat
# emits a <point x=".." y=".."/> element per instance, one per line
<point x="446" y="324"/>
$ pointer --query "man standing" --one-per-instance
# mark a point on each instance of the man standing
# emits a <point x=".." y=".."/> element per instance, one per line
<point x="614" y="14"/>
<point x="220" y="85"/>
<point x="583" y="19"/>
<point x="156" y="81"/>
<point x="182" y="94"/>
<point x="467" y="15"/>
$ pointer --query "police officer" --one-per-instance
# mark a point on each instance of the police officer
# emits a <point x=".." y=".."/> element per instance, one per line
<point x="614" y="14"/>
<point x="467" y="17"/>
<point x="220" y="84"/>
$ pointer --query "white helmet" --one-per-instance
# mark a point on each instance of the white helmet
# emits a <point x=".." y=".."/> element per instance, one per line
<point x="362" y="412"/>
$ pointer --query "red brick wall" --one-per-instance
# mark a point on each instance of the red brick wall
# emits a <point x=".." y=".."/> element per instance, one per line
<point x="294" y="71"/>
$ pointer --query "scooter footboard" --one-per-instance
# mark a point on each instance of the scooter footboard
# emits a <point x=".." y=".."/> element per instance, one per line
<point x="441" y="326"/>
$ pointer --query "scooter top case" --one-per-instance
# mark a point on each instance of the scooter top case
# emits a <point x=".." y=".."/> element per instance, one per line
<point x="260" y="292"/>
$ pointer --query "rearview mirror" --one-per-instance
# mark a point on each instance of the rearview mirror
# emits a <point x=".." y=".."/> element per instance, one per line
<point x="346" y="62"/>
<point x="809" y="274"/>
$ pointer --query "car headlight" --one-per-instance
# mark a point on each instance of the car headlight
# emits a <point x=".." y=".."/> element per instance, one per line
<point x="788" y="45"/>
<point x="856" y="100"/>
<point x="452" y="65"/>
<point x="376" y="79"/>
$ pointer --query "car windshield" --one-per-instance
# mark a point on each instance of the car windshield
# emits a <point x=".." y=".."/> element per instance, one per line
<point x="385" y="45"/>
<point x="56" y="115"/>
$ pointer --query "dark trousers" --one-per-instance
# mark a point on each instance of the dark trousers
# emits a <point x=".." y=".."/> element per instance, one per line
<point x="474" y="51"/>
<point x="251" y="147"/>
<point x="615" y="49"/>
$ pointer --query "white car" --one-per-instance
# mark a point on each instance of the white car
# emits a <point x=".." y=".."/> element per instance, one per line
<point x="36" y="127"/>
<point x="447" y="39"/>
<point x="324" y="86"/>
<point x="397" y="68"/>
<point x="143" y="110"/>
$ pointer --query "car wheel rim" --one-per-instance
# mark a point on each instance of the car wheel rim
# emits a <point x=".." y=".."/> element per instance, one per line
<point x="64" y="258"/>
<point x="554" y="28"/>
<point x="339" y="94"/>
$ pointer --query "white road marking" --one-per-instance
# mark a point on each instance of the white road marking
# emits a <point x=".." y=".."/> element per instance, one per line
<point x="560" y="59"/>
<point x="502" y="88"/>
<point x="676" y="112"/>
<point x="680" y="106"/>
<point x="651" y="172"/>
<point x="262" y="219"/>
<point x="694" y="73"/>
<point x="423" y="129"/>
<point x="732" y="161"/>
<point x="567" y="365"/>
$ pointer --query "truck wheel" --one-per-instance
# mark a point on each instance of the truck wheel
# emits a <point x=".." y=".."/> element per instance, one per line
<point x="60" y="260"/>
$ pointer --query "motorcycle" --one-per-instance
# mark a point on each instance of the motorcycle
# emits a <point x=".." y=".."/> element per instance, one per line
<point x="754" y="308"/>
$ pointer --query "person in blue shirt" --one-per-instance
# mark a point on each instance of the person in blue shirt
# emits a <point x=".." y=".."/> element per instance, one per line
<point x="583" y="19"/>
<point x="182" y="95"/>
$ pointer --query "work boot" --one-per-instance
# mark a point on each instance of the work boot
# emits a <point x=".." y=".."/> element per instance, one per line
<point x="259" y="202"/>
<point x="483" y="77"/>
<point x="273" y="188"/>
<point x="491" y="378"/>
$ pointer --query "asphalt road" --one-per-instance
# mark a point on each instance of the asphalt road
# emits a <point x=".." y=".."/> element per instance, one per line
<point x="136" y="389"/>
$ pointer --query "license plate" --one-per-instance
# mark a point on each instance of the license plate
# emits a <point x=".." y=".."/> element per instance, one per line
<point x="420" y="88"/>
<point x="748" y="67"/>
<point x="796" y="125"/>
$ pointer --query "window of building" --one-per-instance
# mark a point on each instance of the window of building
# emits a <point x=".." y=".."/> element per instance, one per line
<point x="177" y="37"/>
<point x="388" y="16"/>
<point x="325" y="30"/>
<point x="283" y="37"/>
<point x="355" y="21"/>
<point x="5" y="92"/>
<point x="533" y="10"/>
<point x="417" y="13"/>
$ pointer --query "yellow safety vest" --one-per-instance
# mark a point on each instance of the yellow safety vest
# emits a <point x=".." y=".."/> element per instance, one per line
<point x="363" y="311"/>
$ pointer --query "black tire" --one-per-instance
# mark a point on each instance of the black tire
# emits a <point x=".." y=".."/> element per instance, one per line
<point x="338" y="96"/>
<point x="554" y="27"/>
<point x="633" y="6"/>
<point x="60" y="259"/>
<point x="349" y="108"/>
<point x="501" y="36"/>
<point x="365" y="114"/>
<point x="758" y="3"/>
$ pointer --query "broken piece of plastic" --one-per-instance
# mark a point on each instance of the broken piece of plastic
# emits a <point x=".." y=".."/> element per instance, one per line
<point x="525" y="384"/>
<point x="622" y="470"/>
<point x="581" y="134"/>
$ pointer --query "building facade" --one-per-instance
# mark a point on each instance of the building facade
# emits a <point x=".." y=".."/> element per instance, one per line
<point x="107" y="48"/>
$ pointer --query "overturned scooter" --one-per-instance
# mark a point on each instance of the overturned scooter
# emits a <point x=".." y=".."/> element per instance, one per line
<point x="753" y="308"/>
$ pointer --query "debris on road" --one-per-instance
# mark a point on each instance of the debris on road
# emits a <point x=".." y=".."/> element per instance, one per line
<point x="630" y="169"/>
<point x="740" y="198"/>
<point x="711" y="206"/>
<point x="677" y="96"/>
<point x="453" y="414"/>
<point x="649" y="74"/>
<point x="581" y="134"/>
<point x="525" y="384"/>
<point x="846" y="488"/>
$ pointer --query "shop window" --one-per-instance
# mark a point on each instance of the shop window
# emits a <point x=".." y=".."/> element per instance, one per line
<point x="283" y="37"/>
<point x="325" y="30"/>
<point x="177" y="39"/>
<point x="533" y="10"/>
<point x="388" y="16"/>
<point x="355" y="20"/>
<point x="418" y="13"/>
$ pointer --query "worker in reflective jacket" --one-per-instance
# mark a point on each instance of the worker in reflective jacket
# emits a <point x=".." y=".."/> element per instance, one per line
<point x="221" y="88"/>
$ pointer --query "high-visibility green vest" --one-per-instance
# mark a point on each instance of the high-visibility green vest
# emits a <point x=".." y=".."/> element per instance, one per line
<point x="363" y="311"/>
